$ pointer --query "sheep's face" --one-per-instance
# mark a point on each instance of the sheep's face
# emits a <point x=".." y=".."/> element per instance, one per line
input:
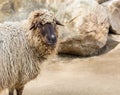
<point x="45" y="27"/>
<point x="48" y="33"/>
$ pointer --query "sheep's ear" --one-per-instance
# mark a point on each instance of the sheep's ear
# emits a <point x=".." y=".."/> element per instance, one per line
<point x="32" y="26"/>
<point x="58" y="23"/>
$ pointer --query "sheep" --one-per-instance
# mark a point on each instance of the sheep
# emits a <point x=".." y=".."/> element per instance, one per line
<point x="24" y="46"/>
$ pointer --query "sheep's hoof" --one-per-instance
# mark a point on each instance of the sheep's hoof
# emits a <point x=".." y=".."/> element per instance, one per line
<point x="11" y="91"/>
<point x="19" y="90"/>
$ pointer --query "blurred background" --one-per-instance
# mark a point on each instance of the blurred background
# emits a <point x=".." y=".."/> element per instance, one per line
<point x="19" y="9"/>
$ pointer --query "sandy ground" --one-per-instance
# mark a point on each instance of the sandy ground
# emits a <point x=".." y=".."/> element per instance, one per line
<point x="67" y="75"/>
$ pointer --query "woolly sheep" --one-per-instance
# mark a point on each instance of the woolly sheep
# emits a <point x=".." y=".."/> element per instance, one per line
<point x="24" y="46"/>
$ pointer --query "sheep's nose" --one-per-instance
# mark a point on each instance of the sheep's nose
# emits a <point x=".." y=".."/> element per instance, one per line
<point x="52" y="39"/>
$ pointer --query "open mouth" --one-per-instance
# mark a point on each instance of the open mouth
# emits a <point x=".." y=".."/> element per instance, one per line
<point x="51" y="42"/>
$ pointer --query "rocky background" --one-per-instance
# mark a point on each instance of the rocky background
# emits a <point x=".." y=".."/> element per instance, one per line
<point x="88" y="61"/>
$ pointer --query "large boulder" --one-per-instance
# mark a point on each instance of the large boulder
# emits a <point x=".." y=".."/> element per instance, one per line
<point x="114" y="15"/>
<point x="86" y="28"/>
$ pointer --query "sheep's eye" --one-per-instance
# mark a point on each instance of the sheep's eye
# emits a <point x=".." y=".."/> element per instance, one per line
<point x="43" y="32"/>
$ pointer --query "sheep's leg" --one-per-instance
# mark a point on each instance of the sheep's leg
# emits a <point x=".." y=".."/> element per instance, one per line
<point x="11" y="91"/>
<point x="19" y="90"/>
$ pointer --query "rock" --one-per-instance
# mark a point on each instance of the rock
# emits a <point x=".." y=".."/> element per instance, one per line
<point x="114" y="15"/>
<point x="5" y="10"/>
<point x="87" y="32"/>
<point x="16" y="10"/>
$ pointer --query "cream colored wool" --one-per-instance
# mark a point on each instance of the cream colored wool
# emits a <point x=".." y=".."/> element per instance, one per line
<point x="22" y="50"/>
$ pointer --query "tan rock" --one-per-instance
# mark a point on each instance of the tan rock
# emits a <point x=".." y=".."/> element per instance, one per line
<point x="114" y="15"/>
<point x="87" y="33"/>
<point x="15" y="10"/>
<point x="5" y="9"/>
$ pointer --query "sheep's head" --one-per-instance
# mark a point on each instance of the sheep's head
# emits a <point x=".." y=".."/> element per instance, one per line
<point x="43" y="22"/>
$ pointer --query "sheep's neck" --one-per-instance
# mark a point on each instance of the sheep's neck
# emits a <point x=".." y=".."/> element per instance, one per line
<point x="42" y="51"/>
<point x="39" y="49"/>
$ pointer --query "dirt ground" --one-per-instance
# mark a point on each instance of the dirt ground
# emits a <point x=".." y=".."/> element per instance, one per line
<point x="68" y="75"/>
